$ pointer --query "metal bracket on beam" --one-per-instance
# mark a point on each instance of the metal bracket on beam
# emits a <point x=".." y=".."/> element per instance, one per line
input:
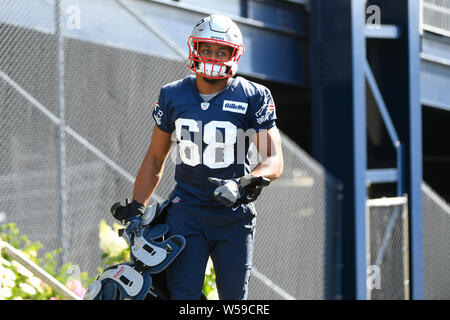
<point x="381" y="104"/>
<point x="382" y="175"/>
<point x="382" y="31"/>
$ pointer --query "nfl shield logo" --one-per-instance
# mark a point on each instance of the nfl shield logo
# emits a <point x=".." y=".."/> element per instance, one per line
<point x="176" y="200"/>
<point x="204" y="105"/>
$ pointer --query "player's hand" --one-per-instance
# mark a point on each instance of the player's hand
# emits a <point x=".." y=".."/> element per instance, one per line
<point x="239" y="191"/>
<point x="131" y="211"/>
<point x="228" y="191"/>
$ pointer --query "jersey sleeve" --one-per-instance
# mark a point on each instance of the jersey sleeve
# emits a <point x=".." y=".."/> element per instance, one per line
<point x="263" y="113"/>
<point x="161" y="114"/>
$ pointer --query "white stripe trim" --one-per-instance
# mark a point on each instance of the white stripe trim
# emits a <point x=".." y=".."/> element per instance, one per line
<point x="30" y="98"/>
<point x="438" y="200"/>
<point x="272" y="285"/>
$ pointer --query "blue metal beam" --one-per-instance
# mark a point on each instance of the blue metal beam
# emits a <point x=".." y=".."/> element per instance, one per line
<point x="339" y="121"/>
<point x="415" y="150"/>
<point x="358" y="46"/>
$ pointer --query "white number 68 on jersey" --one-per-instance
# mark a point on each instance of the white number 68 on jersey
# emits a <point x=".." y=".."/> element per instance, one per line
<point x="190" y="151"/>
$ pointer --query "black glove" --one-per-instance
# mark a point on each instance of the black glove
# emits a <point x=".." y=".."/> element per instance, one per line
<point x="239" y="191"/>
<point x="131" y="211"/>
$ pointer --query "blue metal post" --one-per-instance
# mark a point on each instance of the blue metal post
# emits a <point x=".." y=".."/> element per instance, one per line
<point x="415" y="151"/>
<point x="244" y="8"/>
<point x="396" y="68"/>
<point x="339" y="121"/>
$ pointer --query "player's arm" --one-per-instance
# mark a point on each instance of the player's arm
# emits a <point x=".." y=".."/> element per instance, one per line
<point x="152" y="166"/>
<point x="268" y="143"/>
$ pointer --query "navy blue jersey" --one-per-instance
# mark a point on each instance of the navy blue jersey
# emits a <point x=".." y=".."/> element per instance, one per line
<point x="212" y="137"/>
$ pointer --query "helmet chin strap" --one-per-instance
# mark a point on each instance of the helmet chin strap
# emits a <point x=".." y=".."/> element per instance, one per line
<point x="209" y="80"/>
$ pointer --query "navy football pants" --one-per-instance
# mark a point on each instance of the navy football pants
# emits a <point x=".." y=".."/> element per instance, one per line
<point x="220" y="232"/>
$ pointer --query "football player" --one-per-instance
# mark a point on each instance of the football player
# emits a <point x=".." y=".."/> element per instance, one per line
<point x="213" y="117"/>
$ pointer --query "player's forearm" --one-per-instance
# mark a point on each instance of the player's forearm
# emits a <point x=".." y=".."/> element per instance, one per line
<point x="271" y="168"/>
<point x="147" y="180"/>
<point x="268" y="143"/>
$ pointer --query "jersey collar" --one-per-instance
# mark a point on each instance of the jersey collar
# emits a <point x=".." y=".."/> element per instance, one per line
<point x="230" y="84"/>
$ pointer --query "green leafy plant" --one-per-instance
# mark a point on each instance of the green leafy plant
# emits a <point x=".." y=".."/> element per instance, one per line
<point x="209" y="285"/>
<point x="115" y="250"/>
<point x="17" y="283"/>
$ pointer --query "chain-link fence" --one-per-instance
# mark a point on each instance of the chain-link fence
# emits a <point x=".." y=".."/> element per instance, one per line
<point x="387" y="247"/>
<point x="297" y="235"/>
<point x="76" y="99"/>
<point x="436" y="248"/>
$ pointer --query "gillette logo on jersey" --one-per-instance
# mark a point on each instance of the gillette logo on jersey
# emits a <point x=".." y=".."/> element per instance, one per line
<point x="233" y="106"/>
